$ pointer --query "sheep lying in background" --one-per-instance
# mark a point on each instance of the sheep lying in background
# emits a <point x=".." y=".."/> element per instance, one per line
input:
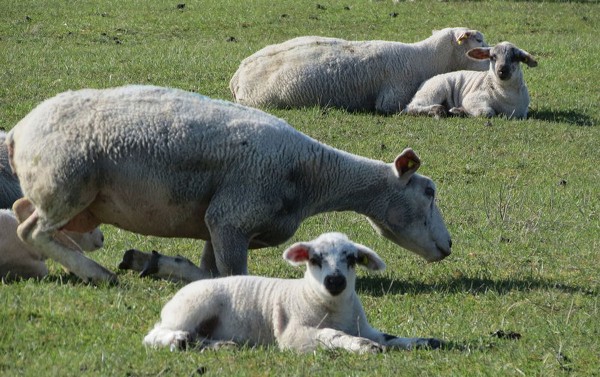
<point x="320" y="310"/>
<point x="499" y="91"/>
<point x="10" y="190"/>
<point x="19" y="260"/>
<point x="170" y="163"/>
<point x="354" y="75"/>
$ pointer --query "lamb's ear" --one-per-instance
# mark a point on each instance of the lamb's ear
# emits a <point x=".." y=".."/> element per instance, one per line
<point x="369" y="259"/>
<point x="479" y="53"/>
<point x="406" y="164"/>
<point x="526" y="58"/>
<point x="298" y="253"/>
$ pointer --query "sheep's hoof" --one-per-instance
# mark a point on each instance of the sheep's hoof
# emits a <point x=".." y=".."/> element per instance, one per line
<point x="151" y="266"/>
<point x="438" y="111"/>
<point x="134" y="260"/>
<point x="429" y="343"/>
<point x="458" y="112"/>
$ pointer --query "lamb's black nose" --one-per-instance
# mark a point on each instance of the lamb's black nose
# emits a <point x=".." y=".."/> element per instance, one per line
<point x="335" y="284"/>
<point x="503" y="73"/>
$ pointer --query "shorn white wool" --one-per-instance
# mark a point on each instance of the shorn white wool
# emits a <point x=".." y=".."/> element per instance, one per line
<point x="170" y="163"/>
<point x="377" y="76"/>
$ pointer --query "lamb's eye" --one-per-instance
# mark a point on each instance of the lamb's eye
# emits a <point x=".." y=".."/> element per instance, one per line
<point x="430" y="192"/>
<point x="351" y="259"/>
<point x="315" y="261"/>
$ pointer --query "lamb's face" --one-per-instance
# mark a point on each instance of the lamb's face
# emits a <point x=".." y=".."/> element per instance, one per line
<point x="331" y="260"/>
<point x="504" y="60"/>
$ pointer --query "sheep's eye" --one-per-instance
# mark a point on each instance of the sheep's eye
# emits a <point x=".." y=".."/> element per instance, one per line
<point x="351" y="259"/>
<point x="493" y="57"/>
<point x="479" y="40"/>
<point x="315" y="261"/>
<point x="430" y="192"/>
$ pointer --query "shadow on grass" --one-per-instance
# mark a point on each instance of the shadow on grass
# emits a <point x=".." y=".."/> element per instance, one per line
<point x="570" y="117"/>
<point x="378" y="286"/>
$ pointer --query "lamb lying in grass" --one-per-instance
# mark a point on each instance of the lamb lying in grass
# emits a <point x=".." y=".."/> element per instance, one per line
<point x="20" y="260"/>
<point x="320" y="310"/>
<point x="499" y="91"/>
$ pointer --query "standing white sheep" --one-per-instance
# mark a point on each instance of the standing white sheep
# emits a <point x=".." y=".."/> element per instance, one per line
<point x="170" y="163"/>
<point x="354" y="75"/>
<point x="10" y="190"/>
<point x="320" y="310"/>
<point x="499" y="91"/>
<point x="20" y="260"/>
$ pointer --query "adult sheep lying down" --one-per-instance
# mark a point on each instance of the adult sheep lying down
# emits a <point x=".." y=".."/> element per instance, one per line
<point x="170" y="163"/>
<point x="377" y="76"/>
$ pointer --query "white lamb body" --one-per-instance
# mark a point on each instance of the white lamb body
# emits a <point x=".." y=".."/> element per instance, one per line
<point x="20" y="260"/>
<point x="170" y="163"/>
<point x="355" y="75"/>
<point x="320" y="310"/>
<point x="499" y="91"/>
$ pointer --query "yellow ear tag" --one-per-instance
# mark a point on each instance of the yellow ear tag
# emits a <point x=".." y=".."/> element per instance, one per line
<point x="459" y="41"/>
<point x="410" y="164"/>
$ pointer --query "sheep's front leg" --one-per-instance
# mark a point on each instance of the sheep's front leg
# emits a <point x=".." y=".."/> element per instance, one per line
<point x="33" y="233"/>
<point x="436" y="111"/>
<point x="310" y="338"/>
<point x="392" y="341"/>
<point x="330" y="338"/>
<point x="230" y="250"/>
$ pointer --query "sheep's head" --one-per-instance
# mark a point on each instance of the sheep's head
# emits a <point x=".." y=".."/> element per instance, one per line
<point x="406" y="212"/>
<point x="504" y="59"/>
<point x="457" y="41"/>
<point x="331" y="260"/>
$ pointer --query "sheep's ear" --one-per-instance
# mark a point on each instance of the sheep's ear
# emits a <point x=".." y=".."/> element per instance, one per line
<point x="297" y="254"/>
<point x="369" y="259"/>
<point x="479" y="53"/>
<point x="463" y="37"/>
<point x="525" y="58"/>
<point x="407" y="163"/>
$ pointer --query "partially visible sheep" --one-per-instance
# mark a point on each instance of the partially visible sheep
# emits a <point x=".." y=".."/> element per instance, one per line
<point x="320" y="310"/>
<point x="171" y="163"/>
<point x="10" y="190"/>
<point x="354" y="75"/>
<point x="20" y="260"/>
<point x="499" y="91"/>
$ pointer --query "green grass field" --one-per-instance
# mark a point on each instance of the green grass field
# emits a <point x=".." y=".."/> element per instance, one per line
<point x="520" y="198"/>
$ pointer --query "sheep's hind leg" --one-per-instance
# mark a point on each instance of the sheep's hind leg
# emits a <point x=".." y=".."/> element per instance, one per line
<point x="41" y="237"/>
<point x="162" y="266"/>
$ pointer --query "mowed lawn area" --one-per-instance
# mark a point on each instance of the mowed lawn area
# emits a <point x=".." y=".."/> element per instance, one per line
<point x="519" y="296"/>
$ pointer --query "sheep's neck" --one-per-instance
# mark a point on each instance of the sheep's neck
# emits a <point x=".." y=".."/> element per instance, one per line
<point x="344" y="182"/>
